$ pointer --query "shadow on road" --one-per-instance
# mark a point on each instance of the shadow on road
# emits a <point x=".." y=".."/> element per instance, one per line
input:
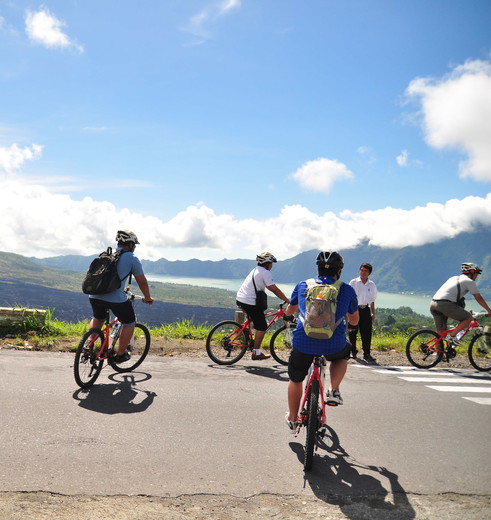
<point x="122" y="396"/>
<point x="360" y="491"/>
<point x="278" y="372"/>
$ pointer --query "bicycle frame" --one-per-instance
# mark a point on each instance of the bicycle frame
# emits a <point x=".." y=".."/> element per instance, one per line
<point x="437" y="341"/>
<point x="247" y="328"/>
<point x="317" y="372"/>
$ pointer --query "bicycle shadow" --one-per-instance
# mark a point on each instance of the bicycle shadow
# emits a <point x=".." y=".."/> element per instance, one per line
<point x="357" y="489"/>
<point x="120" y="397"/>
<point x="278" y="372"/>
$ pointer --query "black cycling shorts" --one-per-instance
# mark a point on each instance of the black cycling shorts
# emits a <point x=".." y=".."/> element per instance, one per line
<point x="123" y="311"/>
<point x="256" y="315"/>
<point x="299" y="362"/>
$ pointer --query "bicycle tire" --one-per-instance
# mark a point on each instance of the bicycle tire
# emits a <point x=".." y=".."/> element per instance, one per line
<point x="312" y="424"/>
<point x="220" y="348"/>
<point x="138" y="350"/>
<point x="281" y="346"/>
<point x="86" y="368"/>
<point x="480" y="352"/>
<point x="419" y="354"/>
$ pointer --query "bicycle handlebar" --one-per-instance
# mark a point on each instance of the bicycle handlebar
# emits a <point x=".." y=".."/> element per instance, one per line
<point x="132" y="296"/>
<point x="478" y="314"/>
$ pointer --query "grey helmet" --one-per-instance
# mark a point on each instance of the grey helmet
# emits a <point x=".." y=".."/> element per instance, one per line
<point x="470" y="267"/>
<point x="265" y="258"/>
<point x="126" y="236"/>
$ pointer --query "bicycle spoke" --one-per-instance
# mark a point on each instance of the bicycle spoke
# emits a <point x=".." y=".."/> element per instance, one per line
<point x="226" y="343"/>
<point x="423" y="349"/>
<point x="480" y="352"/>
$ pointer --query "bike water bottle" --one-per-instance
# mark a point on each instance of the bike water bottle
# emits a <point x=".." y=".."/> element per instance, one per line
<point x="459" y="335"/>
<point x="115" y="329"/>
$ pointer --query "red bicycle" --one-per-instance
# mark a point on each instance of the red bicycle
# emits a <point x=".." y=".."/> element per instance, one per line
<point x="96" y="346"/>
<point x="312" y="414"/>
<point x="426" y="348"/>
<point x="228" y="341"/>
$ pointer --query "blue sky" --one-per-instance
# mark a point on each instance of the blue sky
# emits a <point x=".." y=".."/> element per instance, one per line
<point x="221" y="129"/>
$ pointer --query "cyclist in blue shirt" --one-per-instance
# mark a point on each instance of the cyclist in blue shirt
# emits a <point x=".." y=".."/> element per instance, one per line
<point x="336" y="349"/>
<point x="117" y="301"/>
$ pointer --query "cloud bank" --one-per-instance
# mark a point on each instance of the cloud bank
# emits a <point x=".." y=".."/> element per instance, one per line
<point x="36" y="222"/>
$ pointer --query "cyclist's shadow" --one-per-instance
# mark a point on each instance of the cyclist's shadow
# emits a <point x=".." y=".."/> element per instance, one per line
<point x="335" y="479"/>
<point x="122" y="396"/>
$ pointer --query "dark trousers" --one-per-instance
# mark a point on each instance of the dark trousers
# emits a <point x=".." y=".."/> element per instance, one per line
<point x="365" y="329"/>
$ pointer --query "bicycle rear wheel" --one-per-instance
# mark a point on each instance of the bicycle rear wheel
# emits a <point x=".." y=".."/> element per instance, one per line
<point x="281" y="345"/>
<point x="226" y="343"/>
<point x="138" y="349"/>
<point x="312" y="424"/>
<point x="480" y="352"/>
<point x="86" y="367"/>
<point x="422" y="349"/>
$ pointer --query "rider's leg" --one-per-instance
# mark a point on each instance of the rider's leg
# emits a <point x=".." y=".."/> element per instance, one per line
<point x="258" y="339"/>
<point x="125" y="338"/>
<point x="294" y="398"/>
<point x="337" y="371"/>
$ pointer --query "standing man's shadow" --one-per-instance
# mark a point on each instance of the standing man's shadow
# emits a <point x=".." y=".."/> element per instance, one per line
<point x="122" y="396"/>
<point x="357" y="489"/>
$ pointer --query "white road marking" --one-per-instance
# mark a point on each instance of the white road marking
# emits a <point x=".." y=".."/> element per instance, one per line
<point x="479" y="400"/>
<point x="483" y="389"/>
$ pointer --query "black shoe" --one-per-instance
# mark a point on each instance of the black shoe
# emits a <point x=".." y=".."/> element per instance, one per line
<point x="122" y="358"/>
<point x="354" y="354"/>
<point x="369" y="358"/>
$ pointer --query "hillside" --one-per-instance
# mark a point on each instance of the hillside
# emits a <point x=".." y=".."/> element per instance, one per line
<point x="411" y="269"/>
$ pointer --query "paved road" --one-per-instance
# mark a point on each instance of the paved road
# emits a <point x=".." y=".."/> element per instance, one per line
<point x="184" y="426"/>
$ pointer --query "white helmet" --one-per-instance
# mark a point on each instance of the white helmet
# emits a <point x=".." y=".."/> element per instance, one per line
<point x="265" y="258"/>
<point x="126" y="236"/>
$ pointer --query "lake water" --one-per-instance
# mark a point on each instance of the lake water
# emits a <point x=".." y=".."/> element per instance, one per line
<point x="417" y="303"/>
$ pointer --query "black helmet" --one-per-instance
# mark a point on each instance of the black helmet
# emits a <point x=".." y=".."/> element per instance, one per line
<point x="331" y="258"/>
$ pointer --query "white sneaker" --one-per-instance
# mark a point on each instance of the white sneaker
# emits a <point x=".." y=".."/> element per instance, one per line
<point x="292" y="425"/>
<point x="333" y="398"/>
<point x="452" y="340"/>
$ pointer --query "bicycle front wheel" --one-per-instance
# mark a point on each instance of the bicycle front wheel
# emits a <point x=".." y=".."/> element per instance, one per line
<point x="312" y="424"/>
<point x="87" y="367"/>
<point x="281" y="345"/>
<point x="226" y="343"/>
<point x="423" y="350"/>
<point x="480" y="352"/>
<point x="138" y="349"/>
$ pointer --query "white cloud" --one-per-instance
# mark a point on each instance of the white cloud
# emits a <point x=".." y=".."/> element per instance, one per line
<point x="44" y="28"/>
<point x="38" y="222"/>
<point x="402" y="159"/>
<point x="199" y="23"/>
<point x="320" y="175"/>
<point x="13" y="157"/>
<point x="456" y="112"/>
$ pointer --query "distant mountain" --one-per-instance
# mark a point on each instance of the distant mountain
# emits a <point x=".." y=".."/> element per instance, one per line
<point x="420" y="269"/>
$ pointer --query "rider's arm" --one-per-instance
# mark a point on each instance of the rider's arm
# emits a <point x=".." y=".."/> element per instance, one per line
<point x="142" y="282"/>
<point x="278" y="292"/>
<point x="353" y="319"/>
<point x="291" y="310"/>
<point x="482" y="302"/>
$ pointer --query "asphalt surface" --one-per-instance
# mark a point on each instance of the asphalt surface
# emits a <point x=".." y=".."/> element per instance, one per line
<point x="184" y="426"/>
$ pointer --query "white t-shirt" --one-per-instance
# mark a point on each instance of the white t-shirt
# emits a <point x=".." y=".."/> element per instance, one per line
<point x="449" y="290"/>
<point x="365" y="292"/>
<point x="262" y="279"/>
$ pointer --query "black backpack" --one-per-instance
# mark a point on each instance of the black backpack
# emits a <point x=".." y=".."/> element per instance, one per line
<point x="102" y="276"/>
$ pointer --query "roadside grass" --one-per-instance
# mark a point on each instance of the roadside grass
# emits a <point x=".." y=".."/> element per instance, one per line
<point x="42" y="333"/>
